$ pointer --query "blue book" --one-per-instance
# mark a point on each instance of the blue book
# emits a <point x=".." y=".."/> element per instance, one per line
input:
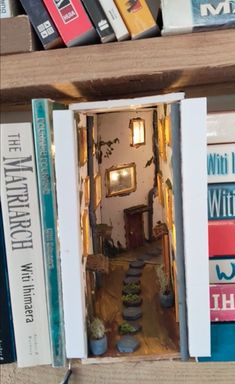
<point x="222" y="342"/>
<point x="221" y="201"/>
<point x="43" y="137"/>
<point x="7" y="341"/>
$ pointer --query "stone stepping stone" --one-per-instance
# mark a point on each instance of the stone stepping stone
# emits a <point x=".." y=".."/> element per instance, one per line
<point x="128" y="344"/>
<point x="137" y="264"/>
<point x="131" y="279"/>
<point x="136" y="327"/>
<point x="144" y="257"/>
<point x="133" y="272"/>
<point x="132" y="313"/>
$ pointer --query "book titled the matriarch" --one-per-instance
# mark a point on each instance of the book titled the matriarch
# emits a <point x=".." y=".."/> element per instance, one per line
<point x="23" y="245"/>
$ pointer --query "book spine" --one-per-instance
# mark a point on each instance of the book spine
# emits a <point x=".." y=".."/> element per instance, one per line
<point x="218" y="230"/>
<point x="222" y="302"/>
<point x="222" y="270"/>
<point x="43" y="136"/>
<point x="8" y="8"/>
<point x="100" y="21"/>
<point x="115" y="19"/>
<point x="221" y="163"/>
<point x="7" y="341"/>
<point x="221" y="201"/>
<point x="72" y="21"/>
<point x="66" y="165"/>
<point x="42" y="23"/>
<point x="24" y="245"/>
<point x="138" y="18"/>
<point x="221" y="128"/>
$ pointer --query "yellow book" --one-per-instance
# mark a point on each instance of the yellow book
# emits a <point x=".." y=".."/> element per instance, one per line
<point x="138" y="18"/>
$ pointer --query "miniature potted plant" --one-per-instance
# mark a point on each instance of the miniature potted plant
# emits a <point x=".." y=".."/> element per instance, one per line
<point x="126" y="328"/>
<point x="131" y="288"/>
<point x="166" y="293"/>
<point x="97" y="337"/>
<point x="131" y="300"/>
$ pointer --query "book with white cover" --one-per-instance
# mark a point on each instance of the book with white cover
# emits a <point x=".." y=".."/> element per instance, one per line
<point x="8" y="8"/>
<point x="115" y="19"/>
<point x="67" y="181"/>
<point x="221" y="127"/>
<point x="22" y="230"/>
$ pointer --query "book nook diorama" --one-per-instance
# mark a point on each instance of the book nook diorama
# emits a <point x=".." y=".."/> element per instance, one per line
<point x="124" y="178"/>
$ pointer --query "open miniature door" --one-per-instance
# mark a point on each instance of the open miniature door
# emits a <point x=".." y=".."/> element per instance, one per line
<point x="138" y="187"/>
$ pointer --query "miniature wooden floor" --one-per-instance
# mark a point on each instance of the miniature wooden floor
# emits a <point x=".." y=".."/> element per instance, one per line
<point x="159" y="335"/>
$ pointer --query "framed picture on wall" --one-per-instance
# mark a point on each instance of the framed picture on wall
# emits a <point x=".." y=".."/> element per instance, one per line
<point x="97" y="190"/>
<point x="121" y="180"/>
<point x="82" y="146"/>
<point x="85" y="232"/>
<point x="87" y="190"/>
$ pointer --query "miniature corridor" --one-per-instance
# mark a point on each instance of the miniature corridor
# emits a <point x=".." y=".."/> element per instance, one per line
<point x="159" y="334"/>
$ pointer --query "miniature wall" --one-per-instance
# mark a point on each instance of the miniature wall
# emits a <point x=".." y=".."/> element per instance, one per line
<point x="116" y="125"/>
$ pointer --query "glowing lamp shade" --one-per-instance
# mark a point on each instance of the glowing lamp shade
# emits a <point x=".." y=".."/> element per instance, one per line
<point x="137" y="127"/>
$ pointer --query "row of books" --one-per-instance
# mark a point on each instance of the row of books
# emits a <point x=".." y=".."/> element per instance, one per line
<point x="221" y="225"/>
<point x="40" y="248"/>
<point x="68" y="23"/>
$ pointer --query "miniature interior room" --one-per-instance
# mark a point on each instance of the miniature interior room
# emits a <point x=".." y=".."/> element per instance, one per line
<point x="128" y="231"/>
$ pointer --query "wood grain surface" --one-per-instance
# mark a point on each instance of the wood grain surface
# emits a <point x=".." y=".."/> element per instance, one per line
<point x="145" y="372"/>
<point x="201" y="63"/>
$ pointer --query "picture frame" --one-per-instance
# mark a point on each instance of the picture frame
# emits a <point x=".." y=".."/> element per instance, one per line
<point x="162" y="139"/>
<point x="85" y="232"/>
<point x="97" y="190"/>
<point x="87" y="190"/>
<point x="82" y="145"/>
<point x="121" y="180"/>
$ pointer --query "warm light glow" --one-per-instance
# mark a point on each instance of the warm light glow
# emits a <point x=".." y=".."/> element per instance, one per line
<point x="114" y="176"/>
<point x="124" y="172"/>
<point x="137" y="127"/>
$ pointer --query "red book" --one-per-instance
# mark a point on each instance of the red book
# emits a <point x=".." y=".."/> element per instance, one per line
<point x="72" y="22"/>
<point x="221" y="238"/>
<point x="222" y="302"/>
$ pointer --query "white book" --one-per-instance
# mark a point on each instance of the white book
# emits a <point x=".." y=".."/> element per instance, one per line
<point x="67" y="184"/>
<point x="8" y="8"/>
<point x="221" y="163"/>
<point x="221" y="127"/>
<point x="115" y="19"/>
<point x="24" y="245"/>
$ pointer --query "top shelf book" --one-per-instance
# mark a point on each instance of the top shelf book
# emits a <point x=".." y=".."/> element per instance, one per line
<point x="201" y="64"/>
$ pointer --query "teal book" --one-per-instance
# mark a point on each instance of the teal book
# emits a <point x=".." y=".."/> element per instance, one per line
<point x="44" y="149"/>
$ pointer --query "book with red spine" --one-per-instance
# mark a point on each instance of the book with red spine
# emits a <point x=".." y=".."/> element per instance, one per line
<point x="72" y="22"/>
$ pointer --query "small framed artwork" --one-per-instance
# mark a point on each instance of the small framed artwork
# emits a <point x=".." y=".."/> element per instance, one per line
<point x="160" y="188"/>
<point x="121" y="180"/>
<point x="85" y="232"/>
<point x="87" y="191"/>
<point x="82" y="145"/>
<point x="169" y="204"/>
<point x="167" y="124"/>
<point x="97" y="190"/>
<point x="162" y="139"/>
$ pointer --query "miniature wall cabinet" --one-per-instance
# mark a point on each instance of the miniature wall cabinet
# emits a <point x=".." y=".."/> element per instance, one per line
<point x="164" y="181"/>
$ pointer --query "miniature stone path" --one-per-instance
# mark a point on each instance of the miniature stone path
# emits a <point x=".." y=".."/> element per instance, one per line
<point x="129" y="343"/>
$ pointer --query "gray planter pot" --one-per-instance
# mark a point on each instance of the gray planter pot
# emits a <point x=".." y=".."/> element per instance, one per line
<point x="98" y="347"/>
<point x="166" y="301"/>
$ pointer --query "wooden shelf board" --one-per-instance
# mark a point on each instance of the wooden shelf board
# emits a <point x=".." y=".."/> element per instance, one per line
<point x="196" y="63"/>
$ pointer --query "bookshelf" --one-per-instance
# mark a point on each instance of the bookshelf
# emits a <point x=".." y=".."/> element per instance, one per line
<point x="201" y="64"/>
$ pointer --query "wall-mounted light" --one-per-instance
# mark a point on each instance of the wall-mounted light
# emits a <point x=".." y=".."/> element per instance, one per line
<point x="137" y="127"/>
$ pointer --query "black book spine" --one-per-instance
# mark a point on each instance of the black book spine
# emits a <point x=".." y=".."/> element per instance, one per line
<point x="42" y="23"/>
<point x="7" y="340"/>
<point x="99" y="20"/>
